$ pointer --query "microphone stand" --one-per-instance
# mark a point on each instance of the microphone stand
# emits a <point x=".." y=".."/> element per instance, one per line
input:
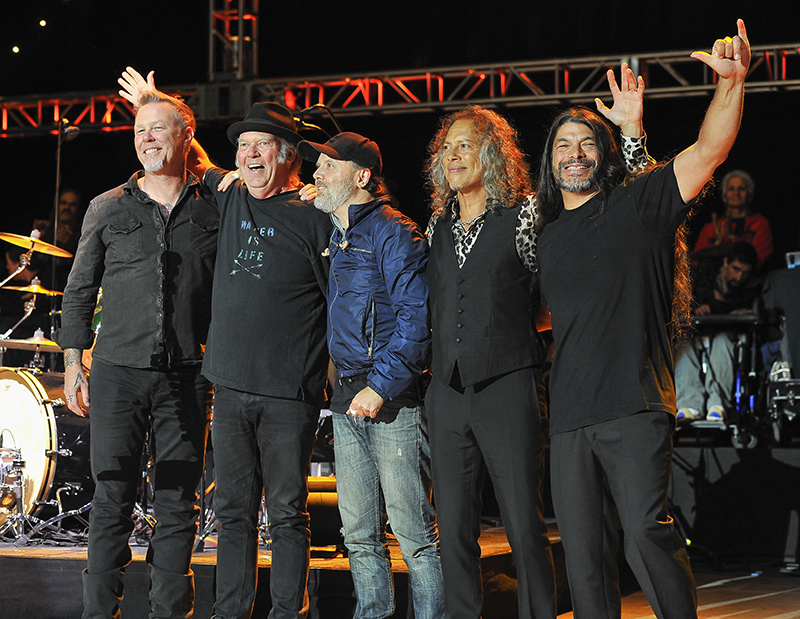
<point x="66" y="132"/>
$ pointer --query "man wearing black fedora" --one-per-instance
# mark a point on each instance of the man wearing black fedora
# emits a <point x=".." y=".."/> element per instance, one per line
<point x="266" y="355"/>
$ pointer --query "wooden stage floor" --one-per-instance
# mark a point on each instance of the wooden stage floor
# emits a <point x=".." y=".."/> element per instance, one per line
<point x="43" y="580"/>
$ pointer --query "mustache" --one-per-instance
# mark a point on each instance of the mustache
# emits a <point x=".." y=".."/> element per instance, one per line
<point x="588" y="162"/>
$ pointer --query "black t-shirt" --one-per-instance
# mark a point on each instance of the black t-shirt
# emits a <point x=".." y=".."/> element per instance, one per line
<point x="268" y="308"/>
<point x="606" y="273"/>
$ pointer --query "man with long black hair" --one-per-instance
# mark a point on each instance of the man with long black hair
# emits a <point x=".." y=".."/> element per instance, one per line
<point x="606" y="256"/>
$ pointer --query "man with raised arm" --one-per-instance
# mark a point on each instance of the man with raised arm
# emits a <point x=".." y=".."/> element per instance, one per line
<point x="266" y="356"/>
<point x="607" y="260"/>
<point x="482" y="401"/>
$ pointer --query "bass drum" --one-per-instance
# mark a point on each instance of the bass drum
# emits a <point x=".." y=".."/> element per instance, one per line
<point x="53" y="443"/>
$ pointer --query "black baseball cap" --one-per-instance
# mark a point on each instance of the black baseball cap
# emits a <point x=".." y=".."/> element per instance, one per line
<point x="345" y="146"/>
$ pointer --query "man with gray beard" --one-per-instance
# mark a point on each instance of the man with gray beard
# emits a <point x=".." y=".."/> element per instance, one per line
<point x="378" y="339"/>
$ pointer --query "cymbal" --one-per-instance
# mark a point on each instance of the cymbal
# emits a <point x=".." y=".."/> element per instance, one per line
<point x="33" y="343"/>
<point x="36" y="244"/>
<point x="35" y="288"/>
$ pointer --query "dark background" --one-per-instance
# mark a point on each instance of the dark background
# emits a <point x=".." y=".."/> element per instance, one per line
<point x="86" y="44"/>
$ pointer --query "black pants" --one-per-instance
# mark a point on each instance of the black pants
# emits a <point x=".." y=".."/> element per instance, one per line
<point x="620" y="467"/>
<point x="262" y="443"/>
<point x="496" y="423"/>
<point x="124" y="401"/>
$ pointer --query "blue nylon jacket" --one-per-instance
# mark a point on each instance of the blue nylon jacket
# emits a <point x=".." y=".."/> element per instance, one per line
<point x="378" y="321"/>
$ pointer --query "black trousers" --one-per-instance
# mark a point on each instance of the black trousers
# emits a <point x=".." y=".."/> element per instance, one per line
<point x="620" y="468"/>
<point x="262" y="444"/>
<point x="495" y="427"/>
<point x="123" y="402"/>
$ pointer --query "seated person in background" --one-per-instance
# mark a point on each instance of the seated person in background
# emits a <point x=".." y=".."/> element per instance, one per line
<point x="739" y="223"/>
<point x="718" y="288"/>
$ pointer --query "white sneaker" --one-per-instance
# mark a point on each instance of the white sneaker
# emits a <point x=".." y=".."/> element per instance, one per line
<point x="715" y="413"/>
<point x="780" y="370"/>
<point x="688" y="414"/>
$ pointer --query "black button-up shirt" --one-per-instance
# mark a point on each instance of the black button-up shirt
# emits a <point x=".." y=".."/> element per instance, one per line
<point x="156" y="277"/>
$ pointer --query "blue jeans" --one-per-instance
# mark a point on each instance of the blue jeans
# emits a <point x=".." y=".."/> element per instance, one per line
<point x="261" y="442"/>
<point x="383" y="467"/>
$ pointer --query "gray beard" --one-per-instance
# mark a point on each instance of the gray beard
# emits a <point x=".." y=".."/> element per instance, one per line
<point x="336" y="196"/>
<point x="577" y="186"/>
<point x="154" y="167"/>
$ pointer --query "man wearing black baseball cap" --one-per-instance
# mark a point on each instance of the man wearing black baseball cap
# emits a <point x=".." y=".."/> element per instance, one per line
<point x="266" y="356"/>
<point x="378" y="339"/>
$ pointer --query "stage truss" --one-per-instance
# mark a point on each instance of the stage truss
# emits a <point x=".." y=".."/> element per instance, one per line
<point x="774" y="69"/>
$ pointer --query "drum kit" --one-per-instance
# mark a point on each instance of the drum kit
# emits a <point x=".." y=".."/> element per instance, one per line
<point x="44" y="450"/>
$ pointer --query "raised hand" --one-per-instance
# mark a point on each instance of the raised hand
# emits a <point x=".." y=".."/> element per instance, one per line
<point x="729" y="57"/>
<point x="627" y="110"/>
<point x="133" y="85"/>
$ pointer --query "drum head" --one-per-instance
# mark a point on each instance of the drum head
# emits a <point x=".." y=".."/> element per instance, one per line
<point x="27" y="424"/>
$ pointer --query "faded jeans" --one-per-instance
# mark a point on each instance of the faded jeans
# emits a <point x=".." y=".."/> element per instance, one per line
<point x="383" y="467"/>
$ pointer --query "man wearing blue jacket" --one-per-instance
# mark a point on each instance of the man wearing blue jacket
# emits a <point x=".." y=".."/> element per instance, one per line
<point x="378" y="339"/>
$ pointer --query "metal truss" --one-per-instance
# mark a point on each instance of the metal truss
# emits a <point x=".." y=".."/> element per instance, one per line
<point x="233" y="39"/>
<point x="774" y="68"/>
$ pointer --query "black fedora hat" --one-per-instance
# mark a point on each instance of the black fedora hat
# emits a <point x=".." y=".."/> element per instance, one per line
<point x="267" y="117"/>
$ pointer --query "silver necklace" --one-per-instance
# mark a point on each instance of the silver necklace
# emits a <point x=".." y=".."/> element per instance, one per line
<point x="467" y="224"/>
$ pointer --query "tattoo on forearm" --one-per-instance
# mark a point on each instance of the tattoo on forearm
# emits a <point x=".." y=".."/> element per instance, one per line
<point x="72" y="356"/>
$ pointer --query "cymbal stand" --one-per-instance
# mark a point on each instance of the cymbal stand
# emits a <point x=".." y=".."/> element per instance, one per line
<point x="143" y="522"/>
<point x="24" y="262"/>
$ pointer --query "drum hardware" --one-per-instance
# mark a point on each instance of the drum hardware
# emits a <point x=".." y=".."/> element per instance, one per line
<point x="55" y="473"/>
<point x="143" y="525"/>
<point x="73" y="513"/>
<point x="64" y="453"/>
<point x="17" y="519"/>
<point x="35" y="287"/>
<point x="38" y="342"/>
<point x="144" y="522"/>
<point x="13" y="496"/>
<point x="32" y="243"/>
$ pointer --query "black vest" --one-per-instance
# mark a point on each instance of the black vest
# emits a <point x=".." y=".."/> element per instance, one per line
<point x="482" y="315"/>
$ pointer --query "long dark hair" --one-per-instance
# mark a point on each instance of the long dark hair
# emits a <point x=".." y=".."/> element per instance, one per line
<point x="611" y="170"/>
